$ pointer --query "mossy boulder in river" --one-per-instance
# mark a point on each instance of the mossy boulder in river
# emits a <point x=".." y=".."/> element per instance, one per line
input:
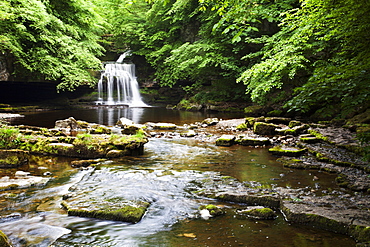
<point x="253" y="141"/>
<point x="210" y="210"/>
<point x="261" y="128"/>
<point x="287" y="151"/>
<point x="225" y="140"/>
<point x="120" y="210"/>
<point x="258" y="212"/>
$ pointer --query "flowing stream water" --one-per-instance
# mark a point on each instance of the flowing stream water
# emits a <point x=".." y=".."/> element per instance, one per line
<point x="164" y="176"/>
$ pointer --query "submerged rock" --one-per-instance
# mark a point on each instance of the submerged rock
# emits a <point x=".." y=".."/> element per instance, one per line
<point x="22" y="180"/>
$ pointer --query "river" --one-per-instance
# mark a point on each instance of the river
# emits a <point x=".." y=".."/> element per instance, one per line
<point x="162" y="176"/>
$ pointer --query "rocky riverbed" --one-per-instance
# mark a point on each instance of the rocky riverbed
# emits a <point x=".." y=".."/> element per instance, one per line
<point x="299" y="146"/>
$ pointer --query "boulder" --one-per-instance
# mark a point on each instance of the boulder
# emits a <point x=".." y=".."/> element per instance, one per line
<point x="164" y="126"/>
<point x="258" y="212"/>
<point x="22" y="180"/>
<point x="123" y="122"/>
<point x="250" y="141"/>
<point x="190" y="133"/>
<point x="261" y="128"/>
<point x="287" y="151"/>
<point x="210" y="121"/>
<point x="131" y="129"/>
<point x="210" y="210"/>
<point x="127" y="211"/>
<point x="308" y="138"/>
<point x="225" y="140"/>
<point x="69" y="123"/>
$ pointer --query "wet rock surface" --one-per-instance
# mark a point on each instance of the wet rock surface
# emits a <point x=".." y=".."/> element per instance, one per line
<point x="101" y="203"/>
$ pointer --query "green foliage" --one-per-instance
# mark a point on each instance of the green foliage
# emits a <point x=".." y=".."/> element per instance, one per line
<point x="322" y="47"/>
<point x="9" y="137"/>
<point x="51" y="40"/>
<point x="364" y="138"/>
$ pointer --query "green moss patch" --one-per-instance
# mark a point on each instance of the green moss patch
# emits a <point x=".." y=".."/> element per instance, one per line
<point x="261" y="128"/>
<point x="127" y="211"/>
<point x="287" y="151"/>
<point x="260" y="213"/>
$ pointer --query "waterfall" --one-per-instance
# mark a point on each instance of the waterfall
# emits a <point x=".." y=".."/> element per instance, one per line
<point x="118" y="85"/>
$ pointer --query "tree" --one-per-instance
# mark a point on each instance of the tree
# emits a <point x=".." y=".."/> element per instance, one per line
<point x="51" y="40"/>
<point x="322" y="47"/>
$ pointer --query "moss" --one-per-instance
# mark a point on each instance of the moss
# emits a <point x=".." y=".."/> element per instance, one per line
<point x="261" y="128"/>
<point x="294" y="123"/>
<point x="261" y="213"/>
<point x="242" y="127"/>
<point x="361" y="233"/>
<point x="249" y="121"/>
<point x="225" y="140"/>
<point x="318" y="135"/>
<point x="287" y="151"/>
<point x="342" y="180"/>
<point x="4" y="240"/>
<point x="212" y="209"/>
<point x="309" y="139"/>
<point x="126" y="213"/>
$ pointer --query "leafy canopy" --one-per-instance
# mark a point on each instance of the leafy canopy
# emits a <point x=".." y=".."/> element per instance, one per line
<point x="51" y="39"/>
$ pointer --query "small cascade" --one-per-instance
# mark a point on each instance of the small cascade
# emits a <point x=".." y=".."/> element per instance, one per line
<point x="118" y="85"/>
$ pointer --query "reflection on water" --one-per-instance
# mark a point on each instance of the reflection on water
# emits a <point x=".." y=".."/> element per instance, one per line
<point x="110" y="116"/>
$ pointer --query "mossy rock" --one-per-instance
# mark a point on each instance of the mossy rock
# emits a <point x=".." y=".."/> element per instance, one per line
<point x="4" y="240"/>
<point x="287" y="151"/>
<point x="210" y="121"/>
<point x="298" y="164"/>
<point x="164" y="126"/>
<point x="249" y="141"/>
<point x="308" y="138"/>
<point x="242" y="127"/>
<point x="261" y="128"/>
<point x="249" y="121"/>
<point x="225" y="140"/>
<point x="294" y="123"/>
<point x="260" y="213"/>
<point x="212" y="209"/>
<point x="127" y="212"/>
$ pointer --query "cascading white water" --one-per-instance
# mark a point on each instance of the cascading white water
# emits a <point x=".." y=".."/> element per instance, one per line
<point x="118" y="85"/>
